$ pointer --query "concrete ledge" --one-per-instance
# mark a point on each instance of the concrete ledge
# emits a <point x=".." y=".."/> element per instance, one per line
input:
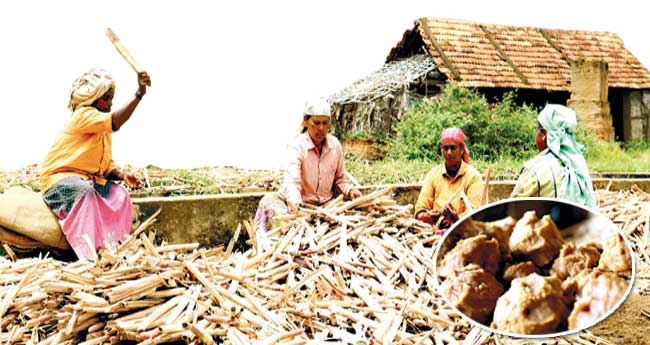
<point x="212" y="219"/>
<point x="209" y="220"/>
<point x="622" y="184"/>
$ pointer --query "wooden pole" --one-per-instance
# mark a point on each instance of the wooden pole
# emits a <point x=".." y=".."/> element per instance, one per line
<point x="122" y="50"/>
<point x="484" y="196"/>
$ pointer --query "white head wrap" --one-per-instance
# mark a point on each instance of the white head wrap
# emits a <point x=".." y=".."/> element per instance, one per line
<point x="318" y="106"/>
<point x="88" y="88"/>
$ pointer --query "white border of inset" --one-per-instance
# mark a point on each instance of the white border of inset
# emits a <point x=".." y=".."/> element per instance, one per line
<point x="532" y="336"/>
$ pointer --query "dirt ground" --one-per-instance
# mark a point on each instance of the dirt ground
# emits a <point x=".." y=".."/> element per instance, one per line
<point x="627" y="325"/>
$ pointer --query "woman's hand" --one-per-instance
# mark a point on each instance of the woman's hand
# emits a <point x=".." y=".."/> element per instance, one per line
<point x="131" y="180"/>
<point x="143" y="81"/>
<point x="428" y="216"/>
<point x="354" y="193"/>
<point x="449" y="212"/>
<point x="292" y="207"/>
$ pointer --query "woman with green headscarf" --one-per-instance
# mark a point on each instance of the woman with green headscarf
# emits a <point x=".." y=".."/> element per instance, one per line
<point x="559" y="170"/>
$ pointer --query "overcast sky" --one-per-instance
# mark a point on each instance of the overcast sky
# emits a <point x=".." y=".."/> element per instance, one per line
<point x="229" y="78"/>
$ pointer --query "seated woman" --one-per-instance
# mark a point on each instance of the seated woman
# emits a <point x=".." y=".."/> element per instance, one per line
<point x="314" y="171"/>
<point x="559" y="170"/>
<point x="439" y="202"/>
<point x="77" y="176"/>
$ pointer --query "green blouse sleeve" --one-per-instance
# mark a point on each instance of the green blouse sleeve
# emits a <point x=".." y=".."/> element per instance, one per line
<point x="528" y="184"/>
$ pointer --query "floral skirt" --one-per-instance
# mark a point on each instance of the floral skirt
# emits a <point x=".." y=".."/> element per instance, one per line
<point x="271" y="205"/>
<point x="91" y="216"/>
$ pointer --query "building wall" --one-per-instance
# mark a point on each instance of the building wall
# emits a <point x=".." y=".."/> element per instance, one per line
<point x="589" y="97"/>
<point x="636" y="115"/>
<point x="377" y="117"/>
<point x="645" y="103"/>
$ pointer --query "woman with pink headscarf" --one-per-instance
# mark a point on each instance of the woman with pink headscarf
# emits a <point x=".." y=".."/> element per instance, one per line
<point x="77" y="176"/>
<point x="445" y="183"/>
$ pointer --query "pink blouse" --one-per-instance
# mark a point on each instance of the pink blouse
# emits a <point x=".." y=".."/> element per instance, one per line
<point x="310" y="177"/>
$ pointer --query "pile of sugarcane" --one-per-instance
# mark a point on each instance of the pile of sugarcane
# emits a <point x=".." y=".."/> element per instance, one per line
<point x="355" y="270"/>
<point x="246" y="180"/>
<point x="26" y="176"/>
<point x="159" y="182"/>
<point x="630" y="211"/>
<point x="352" y="271"/>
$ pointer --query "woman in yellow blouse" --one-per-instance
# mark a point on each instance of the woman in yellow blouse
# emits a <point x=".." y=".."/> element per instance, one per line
<point x="441" y="190"/>
<point x="77" y="173"/>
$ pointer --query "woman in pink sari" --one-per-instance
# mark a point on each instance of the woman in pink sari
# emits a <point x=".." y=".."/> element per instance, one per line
<point x="77" y="175"/>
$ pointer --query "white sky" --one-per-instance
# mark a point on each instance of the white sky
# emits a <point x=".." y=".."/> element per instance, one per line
<point x="229" y="78"/>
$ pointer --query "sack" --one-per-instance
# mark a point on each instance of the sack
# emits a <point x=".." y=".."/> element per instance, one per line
<point x="17" y="240"/>
<point x="24" y="212"/>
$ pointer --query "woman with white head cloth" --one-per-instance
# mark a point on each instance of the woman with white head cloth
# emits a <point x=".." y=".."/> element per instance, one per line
<point x="77" y="173"/>
<point x="314" y="172"/>
<point x="559" y="170"/>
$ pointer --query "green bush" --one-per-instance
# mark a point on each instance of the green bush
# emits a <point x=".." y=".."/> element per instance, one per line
<point x="493" y="131"/>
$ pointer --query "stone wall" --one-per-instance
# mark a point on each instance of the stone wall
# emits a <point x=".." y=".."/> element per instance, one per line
<point x="589" y="90"/>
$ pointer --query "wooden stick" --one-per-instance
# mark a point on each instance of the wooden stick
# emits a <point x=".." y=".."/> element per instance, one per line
<point x="10" y="252"/>
<point x="159" y="312"/>
<point x="122" y="50"/>
<point x="465" y="200"/>
<point x="231" y="244"/>
<point x="201" y="334"/>
<point x="486" y="186"/>
<point x="144" y="225"/>
<point x="8" y="298"/>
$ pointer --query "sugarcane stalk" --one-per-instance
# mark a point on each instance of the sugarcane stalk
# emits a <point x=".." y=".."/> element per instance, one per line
<point x="159" y="312"/>
<point x="8" y="298"/>
<point x="201" y="335"/>
<point x="232" y="242"/>
<point x="178" y="247"/>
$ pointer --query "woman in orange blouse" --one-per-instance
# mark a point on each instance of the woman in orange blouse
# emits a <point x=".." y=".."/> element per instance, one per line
<point x="441" y="190"/>
<point x="77" y="175"/>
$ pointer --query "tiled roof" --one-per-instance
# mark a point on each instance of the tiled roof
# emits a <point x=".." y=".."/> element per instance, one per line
<point x="486" y="55"/>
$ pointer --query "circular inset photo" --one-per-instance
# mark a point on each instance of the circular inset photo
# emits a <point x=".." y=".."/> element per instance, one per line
<point x="534" y="267"/>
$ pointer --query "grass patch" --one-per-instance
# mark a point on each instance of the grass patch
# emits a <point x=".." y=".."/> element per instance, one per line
<point x="395" y="171"/>
<point x="387" y="171"/>
<point x="611" y="157"/>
